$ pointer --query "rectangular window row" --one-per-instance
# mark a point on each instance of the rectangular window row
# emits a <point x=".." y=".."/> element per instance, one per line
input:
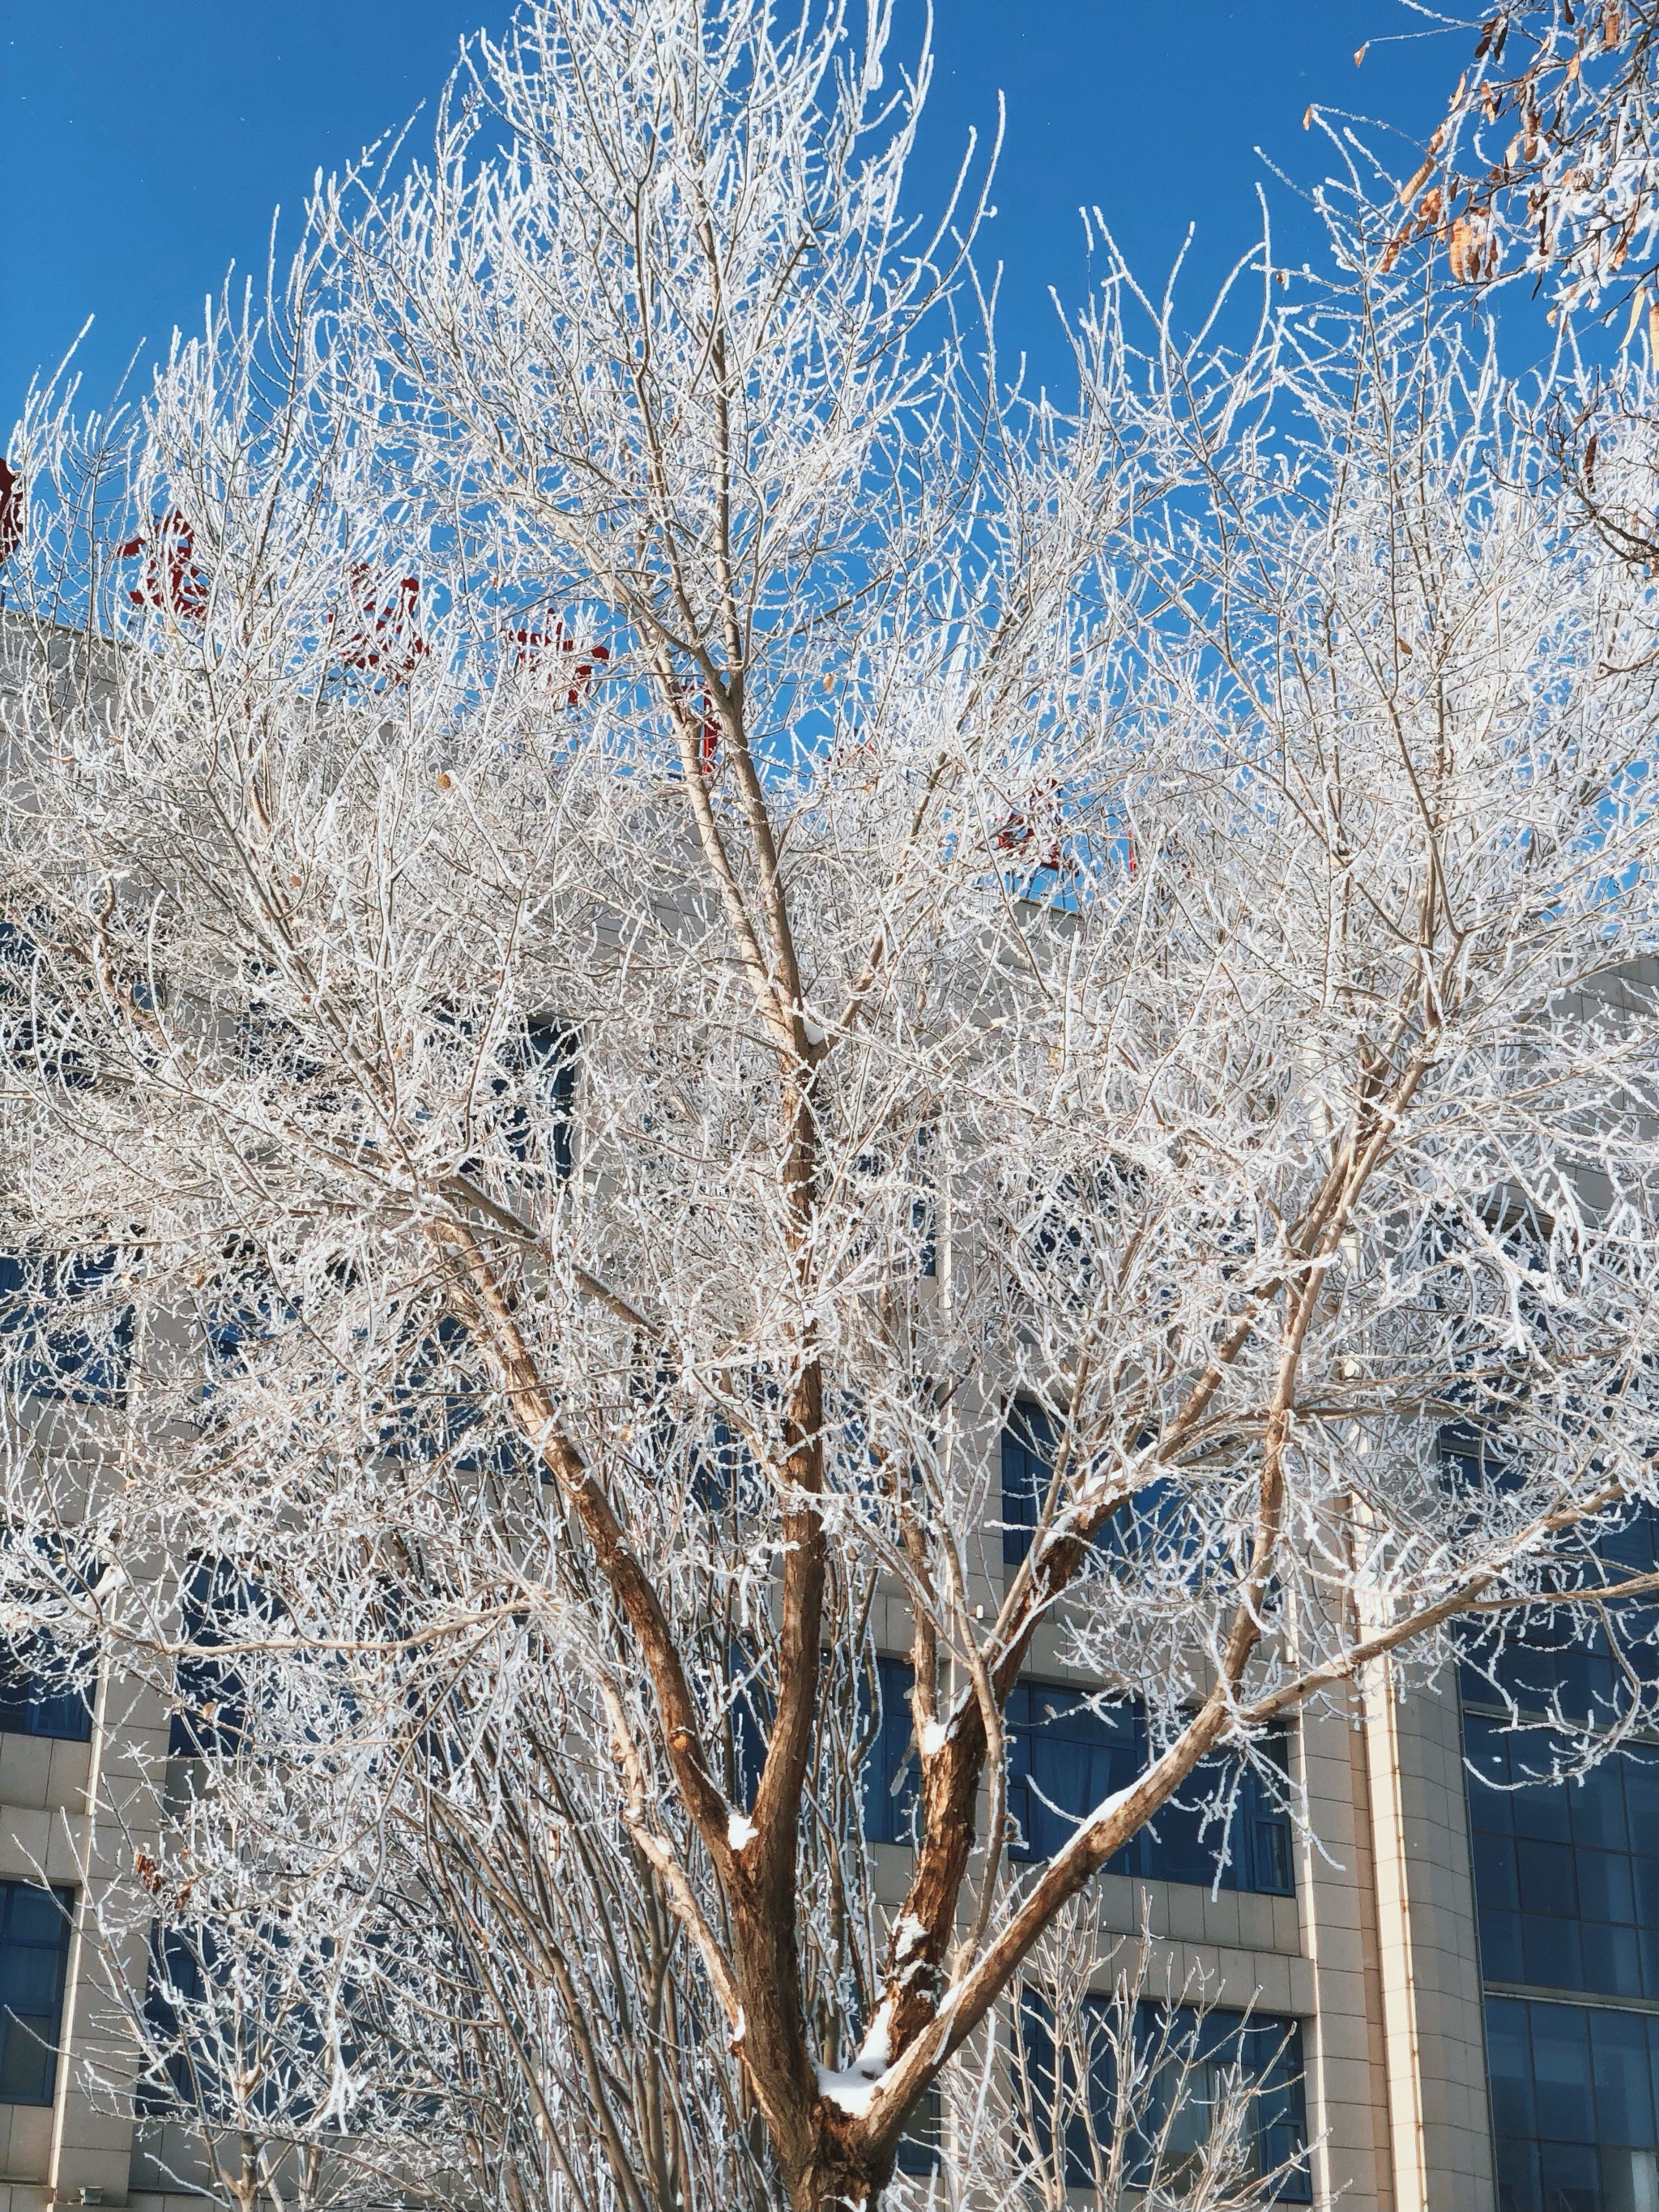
<point x="1194" y="2061"/>
<point x="1065" y="1756"/>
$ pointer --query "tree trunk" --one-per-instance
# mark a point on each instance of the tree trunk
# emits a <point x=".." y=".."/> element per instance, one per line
<point x="836" y="2177"/>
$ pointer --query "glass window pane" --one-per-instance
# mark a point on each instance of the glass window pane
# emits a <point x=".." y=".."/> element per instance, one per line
<point x="1605" y="1891"/>
<point x="32" y="1915"/>
<point x="34" y="1931"/>
<point x="1550" y="1954"/>
<point x="26" y="2062"/>
<point x="1541" y="1810"/>
<point x="1644" y="1874"/>
<point x="1612" y="1963"/>
<point x="1496" y="1884"/>
<point x="1624" y="2104"/>
<point x="1641" y="1779"/>
<point x="1508" y="2062"/>
<point x="1500" y="1948"/>
<point x="1571" y="2173"/>
<point x="1560" y="2059"/>
<point x="1598" y="1805"/>
<point x="1517" y="2176"/>
<point x="1546" y="1873"/>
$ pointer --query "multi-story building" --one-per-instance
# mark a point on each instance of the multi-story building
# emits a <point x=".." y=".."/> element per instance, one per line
<point x="1455" y="1989"/>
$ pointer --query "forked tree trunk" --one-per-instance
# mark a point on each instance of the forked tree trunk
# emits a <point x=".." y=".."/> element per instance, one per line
<point x="835" y="2177"/>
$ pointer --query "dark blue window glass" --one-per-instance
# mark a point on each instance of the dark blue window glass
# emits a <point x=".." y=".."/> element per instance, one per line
<point x="749" y="1720"/>
<point x="434" y="1407"/>
<point x="211" y="1713"/>
<point x="49" y="1352"/>
<point x="35" y="1935"/>
<point x="546" y="1056"/>
<point x="1158" y="1520"/>
<point x="1027" y="1454"/>
<point x="1572" y="2106"/>
<point x="919" y="2149"/>
<point x="1566" y="1874"/>
<point x="241" y="1310"/>
<point x="258" y="2044"/>
<point x="1566" y="1662"/>
<point x="1202" y="2051"/>
<point x="890" y="1773"/>
<point x="1065" y="1755"/>
<point x="38" y="1023"/>
<point x="34" y="1699"/>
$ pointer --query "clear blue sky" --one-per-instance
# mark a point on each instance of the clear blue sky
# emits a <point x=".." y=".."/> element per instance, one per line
<point x="147" y="141"/>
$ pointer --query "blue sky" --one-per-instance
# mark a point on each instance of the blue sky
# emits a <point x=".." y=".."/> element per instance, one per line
<point x="147" y="140"/>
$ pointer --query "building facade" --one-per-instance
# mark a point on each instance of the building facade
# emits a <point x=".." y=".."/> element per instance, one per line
<point x="1453" y="1992"/>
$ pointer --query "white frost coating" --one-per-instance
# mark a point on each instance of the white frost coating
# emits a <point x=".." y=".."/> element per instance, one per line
<point x="932" y="1738"/>
<point x="739" y="1831"/>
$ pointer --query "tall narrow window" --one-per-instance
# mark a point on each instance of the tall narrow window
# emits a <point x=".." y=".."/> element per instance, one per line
<point x="34" y="1935"/>
<point x="211" y="1712"/>
<point x="537" y="1119"/>
<point x="1028" y="1458"/>
<point x="1196" y="2061"/>
<point x="891" y="1772"/>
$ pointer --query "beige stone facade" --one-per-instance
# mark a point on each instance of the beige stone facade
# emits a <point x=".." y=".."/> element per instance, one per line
<point x="1375" y="1956"/>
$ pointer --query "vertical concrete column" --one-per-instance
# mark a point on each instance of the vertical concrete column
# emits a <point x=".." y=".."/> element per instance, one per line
<point x="1348" y="2118"/>
<point x="91" y="2153"/>
<point x="1433" y="2026"/>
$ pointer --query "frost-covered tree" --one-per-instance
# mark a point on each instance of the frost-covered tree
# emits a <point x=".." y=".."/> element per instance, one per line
<point x="639" y="905"/>
<point x="1545" y="164"/>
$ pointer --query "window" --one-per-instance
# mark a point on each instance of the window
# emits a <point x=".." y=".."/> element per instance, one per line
<point x="34" y="1933"/>
<point x="34" y="1702"/>
<point x="891" y="1774"/>
<point x="1028" y="1457"/>
<point x="1200" y="2055"/>
<point x="212" y="1710"/>
<point x="920" y="2146"/>
<point x="1565" y="1661"/>
<point x="46" y="1674"/>
<point x="1064" y="1757"/>
<point x="546" y="1054"/>
<point x="1572" y="2106"/>
<point x="226" y="2039"/>
<point x="39" y="1024"/>
<point x="1566" y="1883"/>
<point x="1161" y="1519"/>
<point x="1566" y="1874"/>
<point x="59" y="1337"/>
